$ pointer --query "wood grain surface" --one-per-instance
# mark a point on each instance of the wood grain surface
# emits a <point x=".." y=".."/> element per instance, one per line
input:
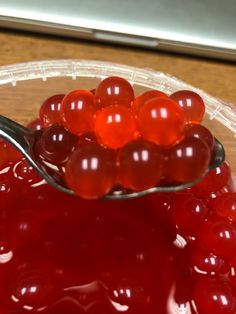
<point x="214" y="76"/>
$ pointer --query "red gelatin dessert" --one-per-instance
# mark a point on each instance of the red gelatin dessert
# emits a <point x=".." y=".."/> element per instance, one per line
<point x="163" y="253"/>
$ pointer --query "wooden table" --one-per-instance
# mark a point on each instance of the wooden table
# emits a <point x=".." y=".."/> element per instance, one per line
<point x="215" y="77"/>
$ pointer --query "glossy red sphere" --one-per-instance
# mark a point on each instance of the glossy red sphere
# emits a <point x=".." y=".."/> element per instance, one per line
<point x="32" y="289"/>
<point x="114" y="91"/>
<point x="214" y="296"/>
<point x="143" y="98"/>
<point x="225" y="206"/>
<point x="25" y="174"/>
<point x="188" y="212"/>
<point x="140" y="165"/>
<point x="114" y="126"/>
<point x="35" y="124"/>
<point x="216" y="179"/>
<point x="203" y="262"/>
<point x="49" y="112"/>
<point x="201" y="132"/>
<point x="91" y="171"/>
<point x="77" y="111"/>
<point x="218" y="235"/>
<point x="192" y="105"/>
<point x="161" y="120"/>
<point x="188" y="160"/>
<point x="55" y="144"/>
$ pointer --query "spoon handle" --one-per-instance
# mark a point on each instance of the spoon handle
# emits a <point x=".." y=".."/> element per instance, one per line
<point x="16" y="134"/>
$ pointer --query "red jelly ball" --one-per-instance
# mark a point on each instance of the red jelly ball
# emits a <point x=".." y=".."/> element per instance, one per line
<point x="201" y="132"/>
<point x="216" y="179"/>
<point x="143" y="98"/>
<point x="49" y="112"/>
<point x="77" y="110"/>
<point x="205" y="263"/>
<point x="114" y="91"/>
<point x="225" y="206"/>
<point x="115" y="126"/>
<point x="187" y="212"/>
<point x="55" y="144"/>
<point x="36" y="124"/>
<point x="161" y="120"/>
<point x="140" y="165"/>
<point x="91" y="171"/>
<point x="32" y="290"/>
<point x="25" y="173"/>
<point x="192" y="105"/>
<point x="218" y="235"/>
<point x="214" y="296"/>
<point x="188" y="160"/>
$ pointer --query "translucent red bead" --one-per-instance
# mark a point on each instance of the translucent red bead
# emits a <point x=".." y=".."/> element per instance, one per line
<point x="91" y="171"/>
<point x="188" y="160"/>
<point x="55" y="144"/>
<point x="137" y="161"/>
<point x="114" y="126"/>
<point x="77" y="110"/>
<point x="161" y="120"/>
<point x="49" y="112"/>
<point x="114" y="91"/>
<point x="192" y="105"/>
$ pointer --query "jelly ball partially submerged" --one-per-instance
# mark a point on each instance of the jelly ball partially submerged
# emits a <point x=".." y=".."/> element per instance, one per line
<point x="162" y="121"/>
<point x="49" y="112"/>
<point x="214" y="296"/>
<point x="25" y="174"/>
<point x="187" y="212"/>
<point x="188" y="160"/>
<point x="114" y="91"/>
<point x="55" y="144"/>
<point x="204" y="262"/>
<point x="91" y="171"/>
<point x="114" y="126"/>
<point x="218" y="235"/>
<point x="77" y="110"/>
<point x="215" y="180"/>
<point x="225" y="206"/>
<point x="192" y="105"/>
<point x="140" y="165"/>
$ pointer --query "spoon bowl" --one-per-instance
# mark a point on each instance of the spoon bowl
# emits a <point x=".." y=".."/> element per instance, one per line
<point x="23" y="139"/>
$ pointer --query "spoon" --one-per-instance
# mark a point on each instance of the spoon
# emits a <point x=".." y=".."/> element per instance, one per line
<point x="23" y="139"/>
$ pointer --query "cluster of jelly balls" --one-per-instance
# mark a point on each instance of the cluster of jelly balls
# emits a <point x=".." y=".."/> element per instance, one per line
<point x="106" y="138"/>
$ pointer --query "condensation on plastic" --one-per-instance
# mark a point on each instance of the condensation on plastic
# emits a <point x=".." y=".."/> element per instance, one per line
<point x="216" y="109"/>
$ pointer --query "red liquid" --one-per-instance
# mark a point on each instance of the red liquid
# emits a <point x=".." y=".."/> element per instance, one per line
<point x="60" y="254"/>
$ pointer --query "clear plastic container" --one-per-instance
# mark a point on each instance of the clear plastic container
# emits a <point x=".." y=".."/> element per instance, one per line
<point x="23" y="87"/>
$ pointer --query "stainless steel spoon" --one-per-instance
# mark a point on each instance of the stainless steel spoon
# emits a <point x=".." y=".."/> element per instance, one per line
<point x="23" y="139"/>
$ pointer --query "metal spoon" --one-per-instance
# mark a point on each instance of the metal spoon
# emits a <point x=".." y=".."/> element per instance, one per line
<point x="23" y="139"/>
